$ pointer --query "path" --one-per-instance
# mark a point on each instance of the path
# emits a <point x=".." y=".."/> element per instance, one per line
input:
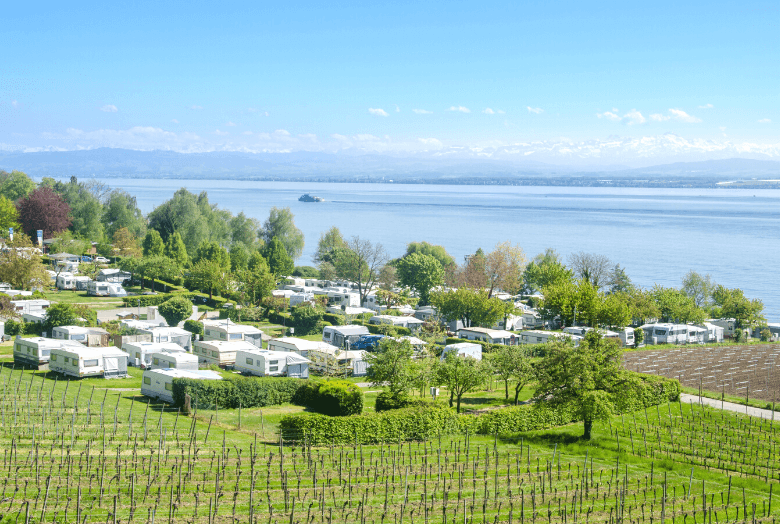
<point x="729" y="406"/>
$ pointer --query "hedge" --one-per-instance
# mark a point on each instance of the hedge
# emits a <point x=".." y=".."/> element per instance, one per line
<point x="385" y="401"/>
<point x="336" y="398"/>
<point x="233" y="391"/>
<point x="156" y="300"/>
<point x="390" y="426"/>
<point x="534" y="350"/>
<point x="334" y="319"/>
<point x="389" y="330"/>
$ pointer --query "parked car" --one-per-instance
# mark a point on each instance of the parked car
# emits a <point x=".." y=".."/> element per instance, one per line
<point x="368" y="342"/>
<point x="102" y="260"/>
<point x="85" y="258"/>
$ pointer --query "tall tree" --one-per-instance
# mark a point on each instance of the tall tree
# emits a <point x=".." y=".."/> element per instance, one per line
<point x="470" y="306"/>
<point x="125" y="243"/>
<point x="421" y="273"/>
<point x="244" y="229"/>
<point x="239" y="256"/>
<point x="86" y="211"/>
<point x="732" y="303"/>
<point x="176" y="250"/>
<point x="21" y="266"/>
<point x="512" y="363"/>
<point x="121" y="211"/>
<point x="215" y="252"/>
<point x="676" y="306"/>
<point x="699" y="288"/>
<point x="15" y="185"/>
<point x="460" y="375"/>
<point x="158" y="267"/>
<point x="279" y="260"/>
<point x="281" y="224"/>
<point x="153" y="244"/>
<point x="504" y="268"/>
<point x="360" y="261"/>
<point x="175" y="309"/>
<point x="438" y="252"/>
<point x="208" y="275"/>
<point x="591" y="267"/>
<point x="391" y="365"/>
<point x="578" y="300"/>
<point x="182" y="213"/>
<point x="544" y="270"/>
<point x="9" y="216"/>
<point x="582" y="377"/>
<point x="619" y="282"/>
<point x="45" y="210"/>
<point x="256" y="281"/>
<point x="330" y="242"/>
<point x="60" y="314"/>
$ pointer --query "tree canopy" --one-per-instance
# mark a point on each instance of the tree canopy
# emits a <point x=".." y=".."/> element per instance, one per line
<point x="460" y="375"/>
<point x="473" y="307"/>
<point x="175" y="309"/>
<point x="391" y="365"/>
<point x="15" y="185"/>
<point x="421" y="273"/>
<point x="45" y="210"/>
<point x="281" y="225"/>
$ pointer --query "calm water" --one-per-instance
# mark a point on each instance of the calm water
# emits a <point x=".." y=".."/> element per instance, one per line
<point x="656" y="234"/>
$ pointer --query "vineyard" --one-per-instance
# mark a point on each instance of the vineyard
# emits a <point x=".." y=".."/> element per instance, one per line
<point x="78" y="454"/>
<point x="745" y="371"/>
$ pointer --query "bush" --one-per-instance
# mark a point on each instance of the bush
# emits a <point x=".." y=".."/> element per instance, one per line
<point x="334" y="319"/>
<point x="766" y="334"/>
<point x="385" y="401"/>
<point x="305" y="318"/>
<point x="390" y="426"/>
<point x="248" y="314"/>
<point x="738" y="335"/>
<point x="193" y="326"/>
<point x="175" y="309"/>
<point x="14" y="327"/>
<point x="332" y="397"/>
<point x="387" y="329"/>
<point x="306" y="272"/>
<point x="233" y="391"/>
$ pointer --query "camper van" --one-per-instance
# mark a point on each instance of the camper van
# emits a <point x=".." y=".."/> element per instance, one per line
<point x="162" y="334"/>
<point x="492" y="336"/>
<point x="265" y="363"/>
<point x="300" y="346"/>
<point x="158" y="383"/>
<point x="108" y="362"/>
<point x="66" y="281"/>
<point x="343" y="336"/>
<point x="225" y="329"/>
<point x="664" y="333"/>
<point x="407" y="322"/>
<point x="90" y="337"/>
<point x="463" y="349"/>
<point x="105" y="289"/>
<point x="35" y="352"/>
<point x="221" y="353"/>
<point x="174" y="360"/>
<point x="140" y="353"/>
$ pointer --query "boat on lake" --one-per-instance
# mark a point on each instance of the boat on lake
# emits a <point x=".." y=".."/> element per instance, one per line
<point x="310" y="198"/>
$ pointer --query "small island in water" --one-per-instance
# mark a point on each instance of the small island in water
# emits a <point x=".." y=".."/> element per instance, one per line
<point x="309" y="198"/>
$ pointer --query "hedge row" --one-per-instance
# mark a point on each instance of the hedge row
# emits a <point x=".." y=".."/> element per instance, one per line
<point x="156" y="300"/>
<point x="235" y="391"/>
<point x="389" y="330"/>
<point x="415" y="423"/>
<point x="534" y="350"/>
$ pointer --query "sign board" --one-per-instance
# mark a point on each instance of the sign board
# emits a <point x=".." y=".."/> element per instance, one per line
<point x="11" y="233"/>
<point x="40" y="237"/>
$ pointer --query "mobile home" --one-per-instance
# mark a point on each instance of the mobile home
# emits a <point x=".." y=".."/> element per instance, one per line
<point x="714" y="333"/>
<point x="163" y="334"/>
<point x="334" y="361"/>
<point x="158" y="383"/>
<point x="535" y="336"/>
<point x="105" y="289"/>
<point x="463" y="349"/>
<point x="174" y="360"/>
<point x="407" y="322"/>
<point x="30" y="306"/>
<point x="225" y="329"/>
<point x="90" y="337"/>
<point x="729" y="325"/>
<point x="664" y="333"/>
<point x="297" y="345"/>
<point x="35" y="352"/>
<point x="108" y="362"/>
<point x="300" y="298"/>
<point x="492" y="336"/>
<point x="343" y="336"/>
<point x="66" y="280"/>
<point x="141" y="352"/>
<point x="272" y="363"/>
<point x="220" y="352"/>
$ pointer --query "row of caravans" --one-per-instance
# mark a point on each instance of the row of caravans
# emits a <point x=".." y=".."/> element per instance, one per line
<point x="70" y="357"/>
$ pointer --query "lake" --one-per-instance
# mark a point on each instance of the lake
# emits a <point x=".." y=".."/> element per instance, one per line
<point x="657" y="235"/>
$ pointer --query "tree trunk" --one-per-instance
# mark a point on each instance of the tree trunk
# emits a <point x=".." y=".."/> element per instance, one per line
<point x="506" y="389"/>
<point x="458" y="408"/>
<point x="588" y="429"/>
<point x="451" y="397"/>
<point x="517" y="394"/>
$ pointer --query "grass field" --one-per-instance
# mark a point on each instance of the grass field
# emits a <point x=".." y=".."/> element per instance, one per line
<point x="73" y="452"/>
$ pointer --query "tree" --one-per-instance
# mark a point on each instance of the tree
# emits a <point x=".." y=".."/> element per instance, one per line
<point x="9" y="216"/>
<point x="305" y="318"/>
<point x="676" y="306"/>
<point x="45" y="210"/>
<point x="699" y="288"/>
<point x="21" y="265"/>
<point x="438" y="252"/>
<point x="512" y="363"/>
<point x="572" y="300"/>
<point x="279" y="261"/>
<point x="60" y="314"/>
<point x="121" y="211"/>
<point x="391" y="365"/>
<point x="175" y="309"/>
<point x="158" y="267"/>
<point x="153" y="244"/>
<point x="360" y="261"/>
<point x="184" y="213"/>
<point x="582" y="377"/>
<point x="213" y="251"/>
<point x="460" y="375"/>
<point x="421" y="273"/>
<point x="641" y="304"/>
<point x="619" y="282"/>
<point x="732" y="303"/>
<point x="546" y="269"/>
<point x="15" y="185"/>
<point x="614" y="311"/>
<point x="244" y="229"/>
<point x="86" y="211"/>
<point x="125" y="243"/>
<point x="329" y="243"/>
<point x="306" y="272"/>
<point x="470" y="306"/>
<point x="208" y="275"/>
<point x="504" y="268"/>
<point x="239" y="256"/>
<point x="176" y="250"/>
<point x="256" y="282"/>
<point x="281" y="224"/>
<point x="591" y="267"/>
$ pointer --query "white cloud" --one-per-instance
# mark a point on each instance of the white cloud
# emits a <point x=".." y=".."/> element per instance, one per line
<point x="365" y="138"/>
<point x="657" y="117"/>
<point x="196" y="108"/>
<point x="765" y="121"/>
<point x="377" y="111"/>
<point x="109" y="108"/>
<point x="175" y="121"/>
<point x="682" y="116"/>
<point x="221" y="133"/>
<point x="609" y="115"/>
<point x="488" y="111"/>
<point x="535" y="110"/>
<point x="460" y="109"/>
<point x="722" y="128"/>
<point x="634" y="117"/>
<point x="500" y="111"/>
<point x="397" y="109"/>
<point x="431" y="142"/>
<point x="15" y="103"/>
<point x="706" y="106"/>
<point x="247" y="132"/>
<point x="251" y="110"/>
<point x="422" y="111"/>
<point x="281" y="132"/>
<point x="230" y="124"/>
<point x="266" y="113"/>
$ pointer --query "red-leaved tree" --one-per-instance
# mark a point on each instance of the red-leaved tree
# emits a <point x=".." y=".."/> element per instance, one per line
<point x="43" y="209"/>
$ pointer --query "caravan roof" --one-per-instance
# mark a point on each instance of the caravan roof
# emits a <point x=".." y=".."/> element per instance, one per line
<point x="349" y="330"/>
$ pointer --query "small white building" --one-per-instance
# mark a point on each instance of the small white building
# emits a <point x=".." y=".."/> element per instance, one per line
<point x="272" y="363"/>
<point x="697" y="335"/>
<point x="158" y="383"/>
<point x="174" y="360"/>
<point x="301" y="346"/>
<point x="226" y="329"/>
<point x="65" y="280"/>
<point x="301" y="298"/>
<point x="665" y="333"/>
<point x="536" y="336"/>
<point x="105" y="289"/>
<point x="492" y="336"/>
<point x="343" y="336"/>
<point x="90" y="337"/>
<point x="107" y="362"/>
<point x="463" y="349"/>
<point x="410" y="323"/>
<point x="140" y="353"/>
<point x="30" y="306"/>
<point x="220" y="352"/>
<point x="36" y="351"/>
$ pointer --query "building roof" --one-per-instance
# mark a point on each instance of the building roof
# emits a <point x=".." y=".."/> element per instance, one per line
<point x="226" y="345"/>
<point x="302" y="344"/>
<point x="349" y="330"/>
<point x="492" y="333"/>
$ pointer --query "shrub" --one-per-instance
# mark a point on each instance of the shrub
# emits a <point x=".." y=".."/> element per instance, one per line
<point x="175" y="309"/>
<point x="334" y="319"/>
<point x="193" y="326"/>
<point x="385" y="401"/>
<point x="236" y="390"/>
<point x="305" y="318"/>
<point x="387" y="329"/>
<point x="332" y="397"/>
<point x="14" y="327"/>
<point x="766" y="334"/>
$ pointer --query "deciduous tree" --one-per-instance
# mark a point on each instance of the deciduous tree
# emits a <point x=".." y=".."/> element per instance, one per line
<point x="21" y="265"/>
<point x="175" y="309"/>
<point x="153" y="244"/>
<point x="512" y="363"/>
<point x="9" y="217"/>
<point x="360" y="261"/>
<point x="391" y="365"/>
<point x="15" y="185"/>
<point x="591" y="267"/>
<point x="176" y="250"/>
<point x="460" y="375"/>
<point x="699" y="288"/>
<point x="45" y="210"/>
<point x="421" y="273"/>
<point x="279" y="261"/>
<point x="732" y="303"/>
<point x="281" y="224"/>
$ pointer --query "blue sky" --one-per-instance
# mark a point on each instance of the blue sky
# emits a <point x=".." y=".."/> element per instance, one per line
<point x="194" y="76"/>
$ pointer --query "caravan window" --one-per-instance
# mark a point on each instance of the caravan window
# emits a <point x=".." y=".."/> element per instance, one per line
<point x="148" y="381"/>
<point x="45" y="352"/>
<point x="215" y="353"/>
<point x="90" y="363"/>
<point x="235" y="336"/>
<point x="168" y="386"/>
<point x="163" y="339"/>
<point x="660" y="332"/>
<point x="78" y="337"/>
<point x="274" y="363"/>
<point x="75" y="362"/>
<point x="249" y="361"/>
<point x="66" y="359"/>
<point x="156" y="361"/>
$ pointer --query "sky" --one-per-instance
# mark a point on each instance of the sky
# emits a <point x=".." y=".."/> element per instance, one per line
<point x="380" y="76"/>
